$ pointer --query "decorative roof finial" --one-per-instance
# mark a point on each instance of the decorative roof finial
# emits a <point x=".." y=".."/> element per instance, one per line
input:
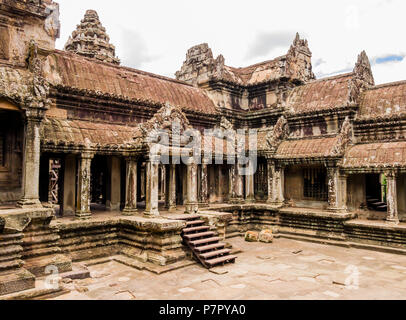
<point x="363" y="70"/>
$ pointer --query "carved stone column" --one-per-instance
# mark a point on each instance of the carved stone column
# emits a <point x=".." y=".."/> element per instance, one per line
<point x="337" y="189"/>
<point x="131" y="187"/>
<point x="271" y="175"/>
<point x="171" y="189"/>
<point x="204" y="188"/>
<point x="249" y="185"/>
<point x="151" y="193"/>
<point x="236" y="185"/>
<point x="275" y="184"/>
<point x="342" y="183"/>
<point x="192" y="205"/>
<point x="83" y="188"/>
<point x="332" y="185"/>
<point x="31" y="163"/>
<point x="391" y="197"/>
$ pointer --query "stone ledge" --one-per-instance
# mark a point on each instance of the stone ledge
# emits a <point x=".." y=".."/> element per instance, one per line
<point x="371" y="224"/>
<point x="141" y="223"/>
<point x="16" y="220"/>
<point x="319" y="214"/>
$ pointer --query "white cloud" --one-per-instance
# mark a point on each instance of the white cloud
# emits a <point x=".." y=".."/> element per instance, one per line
<point x="155" y="35"/>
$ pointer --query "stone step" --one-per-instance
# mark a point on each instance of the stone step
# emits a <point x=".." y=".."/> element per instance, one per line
<point x="217" y="246"/>
<point x="187" y="217"/>
<point x="215" y="253"/>
<point x="194" y="223"/>
<point x="372" y="200"/>
<point x="195" y="229"/>
<point x="224" y="259"/>
<point x="192" y="236"/>
<point x="378" y="203"/>
<point x="204" y="241"/>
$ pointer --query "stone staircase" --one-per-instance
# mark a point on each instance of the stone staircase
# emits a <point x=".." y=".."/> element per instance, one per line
<point x="375" y="204"/>
<point x="206" y="245"/>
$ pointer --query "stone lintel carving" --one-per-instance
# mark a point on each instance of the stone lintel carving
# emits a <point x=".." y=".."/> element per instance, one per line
<point x="170" y="119"/>
<point x="225" y="124"/>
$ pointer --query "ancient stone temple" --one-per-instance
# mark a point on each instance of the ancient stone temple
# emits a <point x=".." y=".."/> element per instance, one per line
<point x="96" y="159"/>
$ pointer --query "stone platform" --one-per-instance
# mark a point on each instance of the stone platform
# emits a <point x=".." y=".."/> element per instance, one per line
<point x="316" y="225"/>
<point x="28" y="245"/>
<point x="32" y="239"/>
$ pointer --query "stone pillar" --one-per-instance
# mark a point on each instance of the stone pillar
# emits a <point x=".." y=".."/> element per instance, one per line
<point x="342" y="183"/>
<point x="83" y="188"/>
<point x="114" y="190"/>
<point x="31" y="162"/>
<point x="183" y="172"/>
<point x="192" y="205"/>
<point x="271" y="175"/>
<point x="204" y="187"/>
<point x="275" y="184"/>
<point x="391" y="197"/>
<point x="130" y="187"/>
<point x="337" y="189"/>
<point x="231" y="183"/>
<point x="249" y="185"/>
<point x="151" y="193"/>
<point x="332" y="185"/>
<point x="69" y="185"/>
<point x="236" y="185"/>
<point x="171" y="189"/>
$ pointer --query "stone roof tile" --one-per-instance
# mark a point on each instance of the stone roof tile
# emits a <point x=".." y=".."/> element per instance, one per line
<point x="323" y="94"/>
<point x="75" y="132"/>
<point x="73" y="71"/>
<point x="307" y="148"/>
<point x="384" y="101"/>
<point x="384" y="154"/>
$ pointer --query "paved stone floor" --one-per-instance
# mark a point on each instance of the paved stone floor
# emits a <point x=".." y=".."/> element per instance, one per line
<point x="286" y="269"/>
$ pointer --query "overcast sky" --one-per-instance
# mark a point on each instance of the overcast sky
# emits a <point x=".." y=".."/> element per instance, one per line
<point x="154" y="35"/>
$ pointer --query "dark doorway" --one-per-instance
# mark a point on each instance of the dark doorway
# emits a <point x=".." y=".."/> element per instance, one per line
<point x="51" y="180"/>
<point x="375" y="188"/>
<point x="180" y="172"/>
<point x="98" y="188"/>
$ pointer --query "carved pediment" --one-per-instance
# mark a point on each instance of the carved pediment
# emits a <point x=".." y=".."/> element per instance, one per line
<point x="225" y="124"/>
<point x="169" y="119"/>
<point x="344" y="138"/>
<point x="279" y="132"/>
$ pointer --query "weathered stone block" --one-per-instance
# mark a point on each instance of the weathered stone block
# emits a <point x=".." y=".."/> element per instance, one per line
<point x="16" y="281"/>
<point x="251" y="236"/>
<point x="266" y="236"/>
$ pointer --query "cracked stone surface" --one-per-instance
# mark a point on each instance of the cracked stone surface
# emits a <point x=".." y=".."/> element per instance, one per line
<point x="317" y="272"/>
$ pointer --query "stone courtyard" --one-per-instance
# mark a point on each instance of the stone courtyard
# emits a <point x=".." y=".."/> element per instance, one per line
<point x="132" y="174"/>
<point x="286" y="269"/>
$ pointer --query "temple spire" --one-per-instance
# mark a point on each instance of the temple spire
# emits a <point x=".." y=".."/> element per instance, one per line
<point x="363" y="70"/>
<point x="91" y="40"/>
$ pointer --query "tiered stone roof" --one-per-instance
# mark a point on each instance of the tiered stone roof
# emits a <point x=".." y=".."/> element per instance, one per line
<point x="72" y="71"/>
<point x="384" y="101"/>
<point x="91" y="40"/>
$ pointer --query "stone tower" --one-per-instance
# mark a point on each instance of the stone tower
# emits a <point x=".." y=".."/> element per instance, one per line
<point x="91" y="40"/>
